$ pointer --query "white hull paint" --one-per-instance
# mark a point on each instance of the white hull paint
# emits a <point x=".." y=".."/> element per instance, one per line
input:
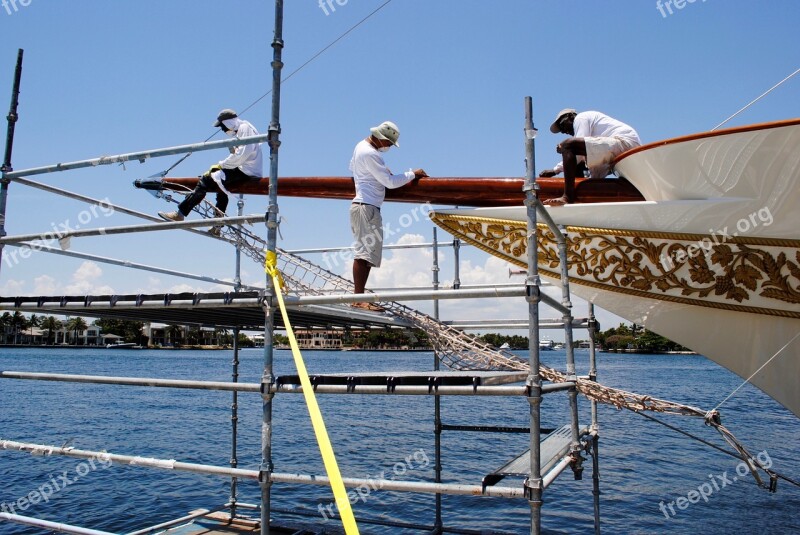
<point x="734" y="192"/>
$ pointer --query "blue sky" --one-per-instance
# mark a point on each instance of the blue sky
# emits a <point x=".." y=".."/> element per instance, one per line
<point x="104" y="78"/>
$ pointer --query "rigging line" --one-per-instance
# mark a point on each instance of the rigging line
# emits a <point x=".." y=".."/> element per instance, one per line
<point x="681" y="431"/>
<point x="723" y="450"/>
<point x="755" y="372"/>
<point x="265" y="95"/>
<point x="318" y="54"/>
<point x="768" y="91"/>
<point x="180" y="161"/>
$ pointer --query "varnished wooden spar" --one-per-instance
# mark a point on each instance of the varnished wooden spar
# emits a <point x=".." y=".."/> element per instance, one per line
<point x="460" y="191"/>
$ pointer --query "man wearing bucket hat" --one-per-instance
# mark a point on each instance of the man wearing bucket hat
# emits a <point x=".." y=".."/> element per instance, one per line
<point x="372" y="177"/>
<point x="596" y="139"/>
<point x="244" y="163"/>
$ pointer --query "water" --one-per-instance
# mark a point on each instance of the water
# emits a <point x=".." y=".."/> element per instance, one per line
<point x="644" y="466"/>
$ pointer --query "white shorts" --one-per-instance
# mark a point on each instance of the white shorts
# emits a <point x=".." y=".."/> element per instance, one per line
<point x="601" y="151"/>
<point x="367" y="226"/>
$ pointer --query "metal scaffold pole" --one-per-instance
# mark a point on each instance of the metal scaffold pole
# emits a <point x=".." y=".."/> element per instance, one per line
<point x="235" y="365"/>
<point x="268" y="377"/>
<point x="595" y="430"/>
<point x="437" y="402"/>
<point x="533" y="485"/>
<point x="566" y="303"/>
<point x="234" y="420"/>
<point x="7" y="168"/>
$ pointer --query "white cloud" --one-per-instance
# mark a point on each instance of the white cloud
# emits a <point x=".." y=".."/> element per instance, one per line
<point x="85" y="279"/>
<point x="12" y="287"/>
<point x="45" y="285"/>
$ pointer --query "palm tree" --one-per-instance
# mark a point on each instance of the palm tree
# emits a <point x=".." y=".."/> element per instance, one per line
<point x="34" y="322"/>
<point x="5" y="324"/>
<point x="221" y="336"/>
<point x="51" y="324"/>
<point x="76" y="324"/>
<point x="173" y="333"/>
<point x="19" y="322"/>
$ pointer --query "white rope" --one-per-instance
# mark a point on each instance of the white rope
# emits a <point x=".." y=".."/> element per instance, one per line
<point x="767" y="92"/>
<point x="758" y="370"/>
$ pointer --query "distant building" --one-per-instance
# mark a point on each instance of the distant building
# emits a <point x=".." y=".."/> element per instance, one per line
<point x="313" y="339"/>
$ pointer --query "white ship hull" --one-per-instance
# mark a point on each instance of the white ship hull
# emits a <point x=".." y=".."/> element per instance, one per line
<point x="711" y="260"/>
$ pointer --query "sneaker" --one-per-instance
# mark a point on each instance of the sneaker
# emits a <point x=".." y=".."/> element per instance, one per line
<point x="171" y="216"/>
<point x="215" y="231"/>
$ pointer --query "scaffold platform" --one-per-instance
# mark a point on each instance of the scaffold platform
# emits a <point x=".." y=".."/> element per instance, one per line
<point x="223" y="309"/>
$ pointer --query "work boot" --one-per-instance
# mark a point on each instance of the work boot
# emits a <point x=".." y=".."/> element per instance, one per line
<point x="216" y="231"/>
<point x="171" y="216"/>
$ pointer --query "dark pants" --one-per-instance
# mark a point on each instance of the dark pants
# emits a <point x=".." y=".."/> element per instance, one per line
<point x="233" y="177"/>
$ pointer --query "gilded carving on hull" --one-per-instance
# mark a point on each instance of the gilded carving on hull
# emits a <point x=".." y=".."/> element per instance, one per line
<point x="757" y="275"/>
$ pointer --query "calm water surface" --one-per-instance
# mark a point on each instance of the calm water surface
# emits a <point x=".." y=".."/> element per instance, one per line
<point x="644" y="466"/>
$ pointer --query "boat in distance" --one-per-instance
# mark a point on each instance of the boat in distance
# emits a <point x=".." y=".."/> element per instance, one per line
<point x="122" y="345"/>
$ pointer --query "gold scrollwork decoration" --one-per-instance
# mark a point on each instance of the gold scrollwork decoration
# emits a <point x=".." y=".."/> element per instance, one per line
<point x="676" y="267"/>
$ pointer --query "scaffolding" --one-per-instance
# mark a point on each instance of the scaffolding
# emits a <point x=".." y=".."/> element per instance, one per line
<point x="477" y="369"/>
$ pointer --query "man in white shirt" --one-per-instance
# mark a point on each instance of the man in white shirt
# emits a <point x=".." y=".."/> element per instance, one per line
<point x="371" y="180"/>
<point x="596" y="139"/>
<point x="244" y="163"/>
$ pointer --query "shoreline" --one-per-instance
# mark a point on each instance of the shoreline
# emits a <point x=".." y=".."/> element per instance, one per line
<point x="641" y="352"/>
<point x="202" y="348"/>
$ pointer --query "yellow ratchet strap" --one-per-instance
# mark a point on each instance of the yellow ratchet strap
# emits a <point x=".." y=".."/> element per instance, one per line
<point x="325" y="447"/>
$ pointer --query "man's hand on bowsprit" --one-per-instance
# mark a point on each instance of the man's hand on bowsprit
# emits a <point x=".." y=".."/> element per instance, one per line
<point x="547" y="173"/>
<point x="419" y="173"/>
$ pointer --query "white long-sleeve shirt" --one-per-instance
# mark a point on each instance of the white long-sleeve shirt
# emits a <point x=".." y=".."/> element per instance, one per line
<point x="596" y="124"/>
<point x="371" y="175"/>
<point x="248" y="158"/>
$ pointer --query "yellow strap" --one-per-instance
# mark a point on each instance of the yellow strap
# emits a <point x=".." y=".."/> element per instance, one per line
<point x="325" y="447"/>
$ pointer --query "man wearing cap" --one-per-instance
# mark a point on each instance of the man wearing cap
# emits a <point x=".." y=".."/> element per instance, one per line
<point x="596" y="139"/>
<point x="244" y="163"/>
<point x="371" y="180"/>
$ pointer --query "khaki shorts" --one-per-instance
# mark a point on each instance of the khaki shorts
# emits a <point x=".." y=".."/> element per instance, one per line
<point x="601" y="151"/>
<point x="367" y="226"/>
